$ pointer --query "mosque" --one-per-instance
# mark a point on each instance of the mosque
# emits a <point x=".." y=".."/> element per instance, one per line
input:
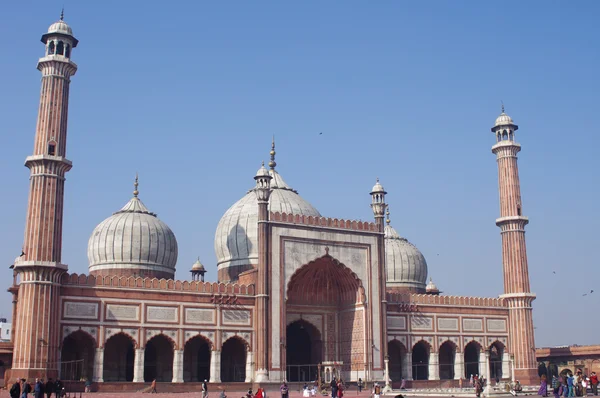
<point x="298" y="296"/>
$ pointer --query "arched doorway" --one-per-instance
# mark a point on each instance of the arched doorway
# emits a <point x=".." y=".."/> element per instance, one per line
<point x="196" y="360"/>
<point x="566" y="372"/>
<point x="496" y="353"/>
<point x="77" y="356"/>
<point x="119" y="356"/>
<point x="446" y="358"/>
<point x="158" y="359"/>
<point x="472" y="351"/>
<point x="330" y="291"/>
<point x="233" y="360"/>
<point x="420" y="361"/>
<point x="396" y="352"/>
<point x="303" y="351"/>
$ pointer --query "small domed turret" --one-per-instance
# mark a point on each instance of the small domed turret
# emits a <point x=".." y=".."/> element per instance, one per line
<point x="198" y="271"/>
<point x="432" y="288"/>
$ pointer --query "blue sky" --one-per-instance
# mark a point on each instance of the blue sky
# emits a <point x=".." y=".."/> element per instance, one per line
<point x="188" y="94"/>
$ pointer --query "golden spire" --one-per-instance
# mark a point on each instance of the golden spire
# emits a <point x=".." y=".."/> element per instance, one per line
<point x="387" y="213"/>
<point x="135" y="186"/>
<point x="272" y="163"/>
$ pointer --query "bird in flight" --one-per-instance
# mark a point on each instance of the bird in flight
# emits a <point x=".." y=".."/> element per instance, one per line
<point x="321" y="133"/>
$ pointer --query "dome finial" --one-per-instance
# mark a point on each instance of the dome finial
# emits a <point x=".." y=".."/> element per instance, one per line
<point x="272" y="163"/>
<point x="135" y="186"/>
<point x="502" y="102"/>
<point x="387" y="213"/>
<point x="62" y="14"/>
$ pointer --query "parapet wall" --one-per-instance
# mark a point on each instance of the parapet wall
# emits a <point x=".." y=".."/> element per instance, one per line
<point x="157" y="284"/>
<point x="354" y="225"/>
<point x="455" y="301"/>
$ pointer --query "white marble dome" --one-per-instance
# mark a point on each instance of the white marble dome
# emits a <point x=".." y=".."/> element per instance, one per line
<point x="503" y="120"/>
<point x="236" y="238"/>
<point x="406" y="267"/>
<point x="133" y="241"/>
<point x="60" y="27"/>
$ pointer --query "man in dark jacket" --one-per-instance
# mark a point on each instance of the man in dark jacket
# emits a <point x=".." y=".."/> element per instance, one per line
<point x="25" y="389"/>
<point x="15" y="390"/>
<point x="49" y="389"/>
<point x="58" y="386"/>
<point x="38" y="389"/>
<point x="334" y="388"/>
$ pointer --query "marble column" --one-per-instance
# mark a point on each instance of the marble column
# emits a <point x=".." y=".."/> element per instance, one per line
<point x="99" y="366"/>
<point x="488" y="385"/>
<point x="407" y="368"/>
<point x="178" y="366"/>
<point x="215" y="366"/>
<point x="138" y="366"/>
<point x="482" y="364"/>
<point x="459" y="366"/>
<point x="434" y="366"/>
<point x="249" y="366"/>
<point x="505" y="365"/>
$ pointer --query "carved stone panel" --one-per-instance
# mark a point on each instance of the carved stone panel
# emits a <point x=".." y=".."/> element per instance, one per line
<point x="200" y="315"/>
<point x="419" y="322"/>
<point x="496" y="325"/>
<point x="396" y="322"/>
<point x="75" y="310"/>
<point x="472" y="325"/>
<point x="447" y="324"/>
<point x="161" y="314"/>
<point x="236" y="317"/>
<point x="117" y="312"/>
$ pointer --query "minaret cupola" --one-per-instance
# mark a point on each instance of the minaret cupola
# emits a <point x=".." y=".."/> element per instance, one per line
<point x="59" y="39"/>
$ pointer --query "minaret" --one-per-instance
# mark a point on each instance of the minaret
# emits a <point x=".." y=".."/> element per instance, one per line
<point x="379" y="207"/>
<point x="263" y="192"/>
<point x="37" y="337"/>
<point x="517" y="293"/>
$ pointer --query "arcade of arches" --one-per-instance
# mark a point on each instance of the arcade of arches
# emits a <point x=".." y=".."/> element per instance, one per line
<point x="422" y="363"/>
<point x="159" y="359"/>
<point x="332" y="297"/>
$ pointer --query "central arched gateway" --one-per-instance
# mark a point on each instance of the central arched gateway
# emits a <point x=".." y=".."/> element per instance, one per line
<point x="326" y="318"/>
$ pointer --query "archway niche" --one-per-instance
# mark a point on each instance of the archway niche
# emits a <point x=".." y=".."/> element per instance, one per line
<point x="396" y="353"/>
<point x="158" y="359"/>
<point x="77" y="356"/>
<point x="496" y="353"/>
<point x="233" y="360"/>
<point x="330" y="292"/>
<point x="119" y="356"/>
<point x="420" y="361"/>
<point x="303" y="351"/>
<point x="196" y="360"/>
<point x="472" y="351"/>
<point x="447" y="354"/>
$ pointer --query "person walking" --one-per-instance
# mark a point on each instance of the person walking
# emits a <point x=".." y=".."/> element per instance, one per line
<point x="25" y="388"/>
<point x="333" y="386"/>
<point x="38" y="389"/>
<point x="376" y="390"/>
<point x="49" y="388"/>
<point x="594" y="383"/>
<point x="15" y="389"/>
<point x="153" y="387"/>
<point x="205" y="389"/>
<point x="284" y="390"/>
<point x="571" y="385"/>
<point x="543" y="391"/>
<point x="360" y="385"/>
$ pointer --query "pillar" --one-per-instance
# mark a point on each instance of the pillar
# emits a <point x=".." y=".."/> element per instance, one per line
<point x="459" y="366"/>
<point x="434" y="366"/>
<point x="138" y="366"/>
<point x="249" y="366"/>
<point x="215" y="366"/>
<point x="488" y="385"/>
<point x="178" y="366"/>
<point x="482" y="364"/>
<point x="99" y="366"/>
<point x="407" y="370"/>
<point x="505" y="365"/>
<point x="387" y="387"/>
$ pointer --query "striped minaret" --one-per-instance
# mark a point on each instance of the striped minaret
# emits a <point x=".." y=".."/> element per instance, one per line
<point x="37" y="336"/>
<point x="517" y="293"/>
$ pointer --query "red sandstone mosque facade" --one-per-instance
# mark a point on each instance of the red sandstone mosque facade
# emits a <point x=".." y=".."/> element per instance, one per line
<point x="297" y="292"/>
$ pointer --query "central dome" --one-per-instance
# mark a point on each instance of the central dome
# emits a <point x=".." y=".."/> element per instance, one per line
<point x="236" y="238"/>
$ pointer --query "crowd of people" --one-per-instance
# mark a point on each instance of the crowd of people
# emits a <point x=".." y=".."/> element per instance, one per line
<point x="571" y="385"/>
<point x="21" y="389"/>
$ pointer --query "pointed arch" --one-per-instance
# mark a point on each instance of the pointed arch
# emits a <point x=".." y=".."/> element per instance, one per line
<point x="447" y="354"/>
<point x="496" y="356"/>
<point x="197" y="352"/>
<point x="158" y="358"/>
<point x="472" y="353"/>
<point x="396" y="353"/>
<point x="233" y="359"/>
<point x="119" y="356"/>
<point x="420" y="360"/>
<point x="77" y="356"/>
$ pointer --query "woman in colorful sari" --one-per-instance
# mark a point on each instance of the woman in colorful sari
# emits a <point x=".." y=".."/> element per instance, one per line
<point x="543" y="391"/>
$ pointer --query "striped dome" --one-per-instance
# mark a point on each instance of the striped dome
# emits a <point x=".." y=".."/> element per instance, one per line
<point x="133" y="241"/>
<point x="406" y="267"/>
